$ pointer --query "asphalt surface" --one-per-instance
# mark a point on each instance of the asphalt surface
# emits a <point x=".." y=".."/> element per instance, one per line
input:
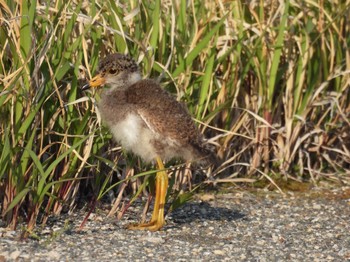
<point x="235" y="226"/>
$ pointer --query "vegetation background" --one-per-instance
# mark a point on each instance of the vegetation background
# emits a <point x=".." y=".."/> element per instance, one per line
<point x="267" y="81"/>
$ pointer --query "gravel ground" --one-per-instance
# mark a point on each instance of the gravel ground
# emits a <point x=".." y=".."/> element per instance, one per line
<point x="236" y="226"/>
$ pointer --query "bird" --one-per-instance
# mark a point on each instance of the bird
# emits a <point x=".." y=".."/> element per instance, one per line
<point x="148" y="121"/>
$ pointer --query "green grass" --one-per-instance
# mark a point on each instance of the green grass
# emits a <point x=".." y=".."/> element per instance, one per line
<point x="268" y="84"/>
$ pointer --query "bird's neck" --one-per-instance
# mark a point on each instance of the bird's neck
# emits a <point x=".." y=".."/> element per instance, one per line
<point x="134" y="77"/>
<point x="124" y="80"/>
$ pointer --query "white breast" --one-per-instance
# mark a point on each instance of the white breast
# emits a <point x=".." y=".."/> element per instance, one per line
<point x="133" y="135"/>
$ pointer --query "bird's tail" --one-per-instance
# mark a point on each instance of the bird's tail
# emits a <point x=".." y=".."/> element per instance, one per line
<point x="205" y="155"/>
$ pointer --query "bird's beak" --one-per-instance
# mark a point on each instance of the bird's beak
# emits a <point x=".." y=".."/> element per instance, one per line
<point x="97" y="81"/>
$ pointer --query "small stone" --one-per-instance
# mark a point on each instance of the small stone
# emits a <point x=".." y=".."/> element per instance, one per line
<point x="219" y="252"/>
<point x="152" y="239"/>
<point x="15" y="254"/>
<point x="260" y="242"/>
<point x="207" y="197"/>
<point x="316" y="206"/>
<point x="53" y="254"/>
<point x="3" y="256"/>
<point x="275" y="238"/>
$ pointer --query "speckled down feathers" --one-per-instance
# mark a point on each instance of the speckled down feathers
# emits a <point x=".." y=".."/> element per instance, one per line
<point x="146" y="119"/>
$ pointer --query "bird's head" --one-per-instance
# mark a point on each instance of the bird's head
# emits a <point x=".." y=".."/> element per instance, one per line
<point x="116" y="71"/>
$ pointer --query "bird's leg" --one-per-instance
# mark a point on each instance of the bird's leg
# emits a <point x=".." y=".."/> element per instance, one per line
<point x="157" y="220"/>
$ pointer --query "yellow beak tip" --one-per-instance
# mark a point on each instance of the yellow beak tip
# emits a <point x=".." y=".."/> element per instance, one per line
<point x="97" y="81"/>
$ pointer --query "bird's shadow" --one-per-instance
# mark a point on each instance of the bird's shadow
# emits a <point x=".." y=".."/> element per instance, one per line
<point x="203" y="211"/>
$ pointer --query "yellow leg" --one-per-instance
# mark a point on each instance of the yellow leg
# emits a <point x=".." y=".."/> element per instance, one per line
<point x="157" y="220"/>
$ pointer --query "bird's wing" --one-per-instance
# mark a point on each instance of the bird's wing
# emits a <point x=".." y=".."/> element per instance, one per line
<point x="161" y="112"/>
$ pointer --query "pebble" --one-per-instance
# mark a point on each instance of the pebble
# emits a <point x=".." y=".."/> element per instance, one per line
<point x="15" y="254"/>
<point x="219" y="252"/>
<point x="152" y="239"/>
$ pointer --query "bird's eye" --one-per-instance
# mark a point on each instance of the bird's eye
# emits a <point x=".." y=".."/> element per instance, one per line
<point x="112" y="71"/>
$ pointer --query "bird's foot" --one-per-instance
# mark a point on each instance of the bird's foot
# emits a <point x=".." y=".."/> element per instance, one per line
<point x="157" y="220"/>
<point x="151" y="226"/>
